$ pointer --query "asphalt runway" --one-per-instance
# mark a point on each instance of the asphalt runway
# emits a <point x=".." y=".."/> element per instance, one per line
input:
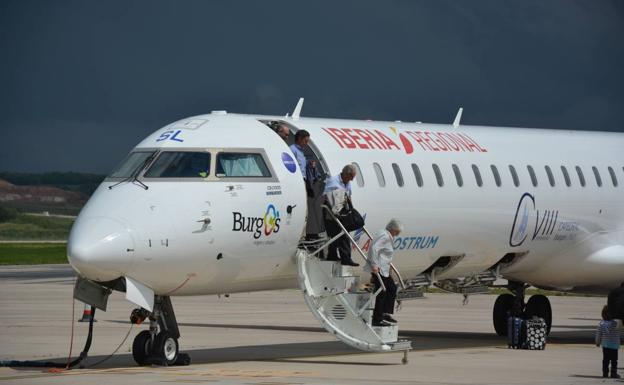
<point x="270" y="338"/>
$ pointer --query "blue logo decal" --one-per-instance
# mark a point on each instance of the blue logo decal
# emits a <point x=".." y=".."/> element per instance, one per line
<point x="523" y="227"/>
<point x="289" y="162"/>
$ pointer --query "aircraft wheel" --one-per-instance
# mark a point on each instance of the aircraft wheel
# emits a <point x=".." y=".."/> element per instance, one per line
<point x="503" y="304"/>
<point x="141" y="347"/>
<point x="539" y="305"/>
<point x="616" y="302"/>
<point x="166" y="347"/>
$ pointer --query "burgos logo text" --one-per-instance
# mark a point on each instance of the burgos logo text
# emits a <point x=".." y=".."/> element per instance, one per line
<point x="266" y="225"/>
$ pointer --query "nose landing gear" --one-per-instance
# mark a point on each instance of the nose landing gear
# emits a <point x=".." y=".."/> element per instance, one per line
<point x="158" y="345"/>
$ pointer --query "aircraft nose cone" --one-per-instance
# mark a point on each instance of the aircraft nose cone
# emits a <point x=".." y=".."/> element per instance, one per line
<point x="100" y="248"/>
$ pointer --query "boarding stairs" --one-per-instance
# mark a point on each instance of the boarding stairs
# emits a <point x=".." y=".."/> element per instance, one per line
<point x="343" y="305"/>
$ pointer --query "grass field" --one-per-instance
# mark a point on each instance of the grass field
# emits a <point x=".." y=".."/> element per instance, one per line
<point x="30" y="227"/>
<point x="32" y="253"/>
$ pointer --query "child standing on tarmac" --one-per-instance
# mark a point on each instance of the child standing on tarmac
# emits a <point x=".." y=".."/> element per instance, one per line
<point x="608" y="336"/>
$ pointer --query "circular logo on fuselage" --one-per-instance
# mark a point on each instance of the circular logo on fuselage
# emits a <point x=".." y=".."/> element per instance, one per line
<point x="289" y="162"/>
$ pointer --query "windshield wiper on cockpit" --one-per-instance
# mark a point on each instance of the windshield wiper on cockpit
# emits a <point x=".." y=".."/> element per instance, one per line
<point x="134" y="177"/>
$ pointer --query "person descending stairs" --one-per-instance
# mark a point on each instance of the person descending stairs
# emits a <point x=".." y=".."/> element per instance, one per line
<point x="379" y="260"/>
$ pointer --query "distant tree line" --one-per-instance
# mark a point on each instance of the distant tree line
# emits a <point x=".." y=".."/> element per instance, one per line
<point x="7" y="214"/>
<point x="73" y="181"/>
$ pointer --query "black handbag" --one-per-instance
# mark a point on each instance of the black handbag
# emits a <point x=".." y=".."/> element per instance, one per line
<point x="351" y="220"/>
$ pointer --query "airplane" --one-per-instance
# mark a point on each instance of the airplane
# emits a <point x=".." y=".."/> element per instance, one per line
<point x="217" y="204"/>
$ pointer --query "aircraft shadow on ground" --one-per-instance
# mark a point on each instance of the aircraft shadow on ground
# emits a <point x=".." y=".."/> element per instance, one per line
<point x="436" y="339"/>
<point x="299" y="352"/>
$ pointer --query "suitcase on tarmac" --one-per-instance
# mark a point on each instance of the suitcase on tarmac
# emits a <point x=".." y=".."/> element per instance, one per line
<point x="535" y="333"/>
<point x="516" y="333"/>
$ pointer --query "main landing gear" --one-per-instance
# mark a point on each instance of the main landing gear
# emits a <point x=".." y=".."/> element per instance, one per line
<point x="158" y="345"/>
<point x="513" y="305"/>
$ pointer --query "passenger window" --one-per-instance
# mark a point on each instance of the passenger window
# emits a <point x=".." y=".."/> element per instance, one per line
<point x="514" y="175"/>
<point x="438" y="175"/>
<point x="497" y="178"/>
<point x="417" y="175"/>
<point x="532" y="175"/>
<point x="359" y="178"/>
<point x="597" y="175"/>
<point x="566" y="176"/>
<point x="132" y="164"/>
<point x="477" y="175"/>
<point x="241" y="165"/>
<point x="580" y="176"/>
<point x="458" y="177"/>
<point x="180" y="164"/>
<point x="551" y="177"/>
<point x="613" y="177"/>
<point x="380" y="175"/>
<point x="398" y="174"/>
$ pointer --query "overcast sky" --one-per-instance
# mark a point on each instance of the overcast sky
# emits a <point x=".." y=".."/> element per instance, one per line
<point x="82" y="82"/>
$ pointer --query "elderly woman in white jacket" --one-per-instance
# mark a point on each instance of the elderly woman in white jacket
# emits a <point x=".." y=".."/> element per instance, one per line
<point x="380" y="257"/>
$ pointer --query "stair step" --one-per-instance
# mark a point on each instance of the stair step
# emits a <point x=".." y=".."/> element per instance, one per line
<point x="388" y="334"/>
<point x="340" y="270"/>
<point x="338" y="285"/>
<point x="335" y="269"/>
<point x="401" y="345"/>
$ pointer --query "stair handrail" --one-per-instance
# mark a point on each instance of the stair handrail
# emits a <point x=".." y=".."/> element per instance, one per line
<point x="394" y="269"/>
<point x="344" y="230"/>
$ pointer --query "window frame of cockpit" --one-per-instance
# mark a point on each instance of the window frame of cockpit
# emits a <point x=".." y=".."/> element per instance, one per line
<point x="212" y="176"/>
<point x="155" y="152"/>
<point x="256" y="179"/>
<point x="161" y="151"/>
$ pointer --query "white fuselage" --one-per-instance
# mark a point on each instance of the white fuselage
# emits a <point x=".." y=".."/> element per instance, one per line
<point x="209" y="235"/>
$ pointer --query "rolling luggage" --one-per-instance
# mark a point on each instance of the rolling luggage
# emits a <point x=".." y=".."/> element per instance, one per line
<point x="516" y="333"/>
<point x="535" y="333"/>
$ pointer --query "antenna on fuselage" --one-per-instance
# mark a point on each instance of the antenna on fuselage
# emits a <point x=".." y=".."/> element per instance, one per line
<point x="297" y="112"/>
<point x="458" y="117"/>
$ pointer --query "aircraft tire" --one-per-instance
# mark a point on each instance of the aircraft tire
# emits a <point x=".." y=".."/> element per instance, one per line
<point x="503" y="304"/>
<point x="166" y="347"/>
<point x="141" y="348"/>
<point x="539" y="305"/>
<point x="616" y="303"/>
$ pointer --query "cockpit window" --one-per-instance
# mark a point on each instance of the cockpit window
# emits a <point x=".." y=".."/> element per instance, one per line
<point x="129" y="166"/>
<point x="180" y="164"/>
<point x="237" y="164"/>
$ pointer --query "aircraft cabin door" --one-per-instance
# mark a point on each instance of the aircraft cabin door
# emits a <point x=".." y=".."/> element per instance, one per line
<point x="315" y="181"/>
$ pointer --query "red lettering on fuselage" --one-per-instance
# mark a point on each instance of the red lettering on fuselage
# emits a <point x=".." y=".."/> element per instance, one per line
<point x="329" y="131"/>
<point x="379" y="141"/>
<point x="342" y="137"/>
<point x="365" y="139"/>
<point x="416" y="136"/>
<point x="387" y="141"/>
<point x="355" y="138"/>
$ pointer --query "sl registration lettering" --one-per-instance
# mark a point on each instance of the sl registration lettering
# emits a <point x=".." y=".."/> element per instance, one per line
<point x="170" y="135"/>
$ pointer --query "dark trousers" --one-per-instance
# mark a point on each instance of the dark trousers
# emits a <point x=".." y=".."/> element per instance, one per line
<point x="609" y="355"/>
<point x="384" y="302"/>
<point x="340" y="249"/>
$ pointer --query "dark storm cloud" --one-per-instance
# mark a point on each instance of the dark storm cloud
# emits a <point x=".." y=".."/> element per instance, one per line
<point x="82" y="82"/>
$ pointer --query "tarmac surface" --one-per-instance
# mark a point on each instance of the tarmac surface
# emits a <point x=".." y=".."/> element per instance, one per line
<point x="270" y="338"/>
